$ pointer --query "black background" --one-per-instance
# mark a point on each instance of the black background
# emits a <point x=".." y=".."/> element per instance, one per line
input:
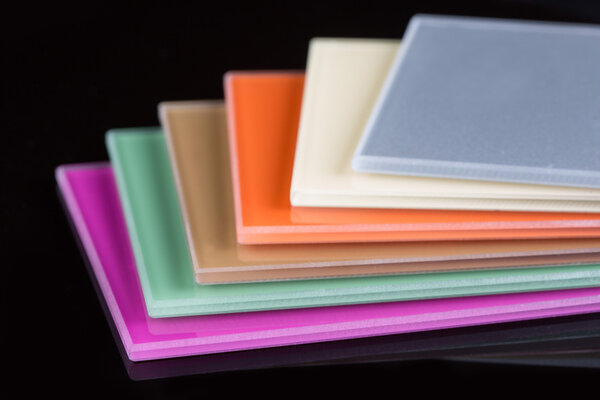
<point x="71" y="72"/>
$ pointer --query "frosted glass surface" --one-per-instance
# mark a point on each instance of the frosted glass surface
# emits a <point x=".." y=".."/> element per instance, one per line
<point x="490" y="99"/>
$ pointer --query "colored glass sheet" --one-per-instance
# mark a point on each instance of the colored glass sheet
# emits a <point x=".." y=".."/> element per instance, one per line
<point x="92" y="201"/>
<point x="489" y="99"/>
<point x="343" y="79"/>
<point x="263" y="111"/>
<point x="196" y="136"/>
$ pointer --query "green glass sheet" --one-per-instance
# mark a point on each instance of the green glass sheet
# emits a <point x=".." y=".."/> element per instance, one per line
<point x="144" y="177"/>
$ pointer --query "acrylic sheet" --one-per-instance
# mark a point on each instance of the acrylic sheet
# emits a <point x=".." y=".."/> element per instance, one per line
<point x="196" y="136"/>
<point x="343" y="79"/>
<point x="169" y="290"/>
<point x="489" y="99"/>
<point x="263" y="111"/>
<point x="92" y="201"/>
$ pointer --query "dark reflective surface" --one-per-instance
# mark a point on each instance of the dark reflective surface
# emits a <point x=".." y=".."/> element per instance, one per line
<point x="71" y="72"/>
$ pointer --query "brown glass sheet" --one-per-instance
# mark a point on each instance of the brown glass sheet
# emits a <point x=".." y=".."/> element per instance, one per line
<point x="196" y="135"/>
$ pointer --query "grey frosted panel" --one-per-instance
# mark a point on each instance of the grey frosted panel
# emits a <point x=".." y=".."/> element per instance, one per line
<point x="488" y="99"/>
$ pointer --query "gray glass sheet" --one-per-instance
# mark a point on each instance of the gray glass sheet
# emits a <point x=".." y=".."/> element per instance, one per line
<point x="489" y="99"/>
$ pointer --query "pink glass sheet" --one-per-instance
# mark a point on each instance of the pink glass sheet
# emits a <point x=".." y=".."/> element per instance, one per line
<point x="92" y="200"/>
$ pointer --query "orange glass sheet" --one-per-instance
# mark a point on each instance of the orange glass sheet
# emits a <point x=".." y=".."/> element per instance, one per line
<point x="263" y="111"/>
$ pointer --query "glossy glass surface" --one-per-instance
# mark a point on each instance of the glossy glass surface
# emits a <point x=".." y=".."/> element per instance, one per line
<point x="264" y="110"/>
<point x="92" y="200"/>
<point x="196" y="136"/>
<point x="151" y="206"/>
